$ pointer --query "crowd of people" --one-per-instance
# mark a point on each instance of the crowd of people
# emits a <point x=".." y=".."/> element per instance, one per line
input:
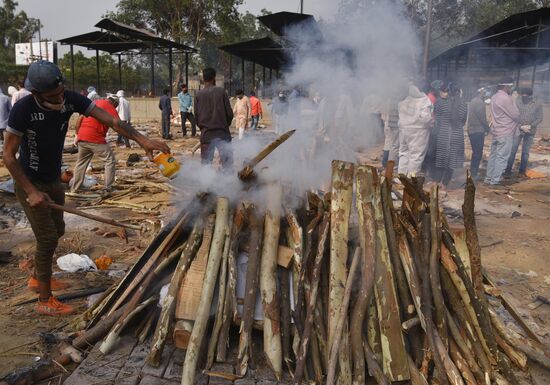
<point x="431" y="123"/>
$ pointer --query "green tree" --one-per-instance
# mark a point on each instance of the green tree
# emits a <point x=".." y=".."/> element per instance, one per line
<point x="14" y="28"/>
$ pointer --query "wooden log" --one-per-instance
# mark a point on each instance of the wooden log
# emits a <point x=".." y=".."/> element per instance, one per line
<point x="251" y="289"/>
<point x="182" y="333"/>
<point x="465" y="325"/>
<point x="395" y="362"/>
<point x="342" y="319"/>
<point x="98" y="331"/>
<point x="435" y="252"/>
<point x="427" y="302"/>
<point x="213" y="340"/>
<point x="284" y="283"/>
<point x="169" y="304"/>
<point x="201" y="319"/>
<point x="507" y="302"/>
<point x="268" y="280"/>
<point x="374" y="368"/>
<point x="230" y="312"/>
<point x="153" y="276"/>
<point x="150" y="320"/>
<point x="452" y="269"/>
<point x="295" y="239"/>
<point x="417" y="378"/>
<point x="532" y="351"/>
<point x="461" y="364"/>
<point x="407" y="307"/>
<point x="464" y="349"/>
<point x="342" y="191"/>
<point x="518" y="358"/>
<point x="365" y="194"/>
<point x="113" y="337"/>
<point x="304" y="342"/>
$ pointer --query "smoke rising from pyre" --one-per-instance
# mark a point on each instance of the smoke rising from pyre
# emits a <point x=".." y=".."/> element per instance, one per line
<point x="354" y="63"/>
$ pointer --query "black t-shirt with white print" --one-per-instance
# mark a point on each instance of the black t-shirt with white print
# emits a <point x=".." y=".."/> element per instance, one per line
<point x="43" y="133"/>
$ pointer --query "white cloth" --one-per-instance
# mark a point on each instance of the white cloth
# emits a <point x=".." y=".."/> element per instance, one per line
<point x="19" y="95"/>
<point x="413" y="145"/>
<point x="123" y="109"/>
<point x="93" y="95"/>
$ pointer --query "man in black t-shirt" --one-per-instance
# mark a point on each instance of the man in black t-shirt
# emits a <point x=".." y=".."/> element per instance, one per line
<point x="36" y="128"/>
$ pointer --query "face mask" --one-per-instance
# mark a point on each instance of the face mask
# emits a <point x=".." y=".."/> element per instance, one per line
<point x="51" y="106"/>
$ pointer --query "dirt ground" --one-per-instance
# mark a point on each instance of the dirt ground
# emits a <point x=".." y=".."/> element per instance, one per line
<point x="513" y="224"/>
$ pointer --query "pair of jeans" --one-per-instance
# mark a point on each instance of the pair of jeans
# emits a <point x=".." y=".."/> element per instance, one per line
<point x="254" y="120"/>
<point x="526" y="141"/>
<point x="477" y="141"/>
<point x="47" y="225"/>
<point x="498" y="158"/>
<point x="224" y="150"/>
<point x="86" y="152"/>
<point x="188" y="115"/>
<point x="165" y="126"/>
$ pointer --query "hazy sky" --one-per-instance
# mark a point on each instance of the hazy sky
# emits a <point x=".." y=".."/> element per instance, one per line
<point x="65" y="18"/>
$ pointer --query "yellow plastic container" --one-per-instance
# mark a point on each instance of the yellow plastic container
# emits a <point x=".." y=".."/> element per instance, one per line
<point x="168" y="165"/>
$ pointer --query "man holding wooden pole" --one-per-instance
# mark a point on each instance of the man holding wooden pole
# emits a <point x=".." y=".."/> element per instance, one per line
<point x="37" y="128"/>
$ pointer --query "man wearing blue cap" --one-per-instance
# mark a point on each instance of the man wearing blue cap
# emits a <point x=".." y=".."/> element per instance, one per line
<point x="36" y="128"/>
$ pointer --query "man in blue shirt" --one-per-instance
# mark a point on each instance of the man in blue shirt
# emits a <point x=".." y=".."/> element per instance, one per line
<point x="186" y="110"/>
<point x="37" y="127"/>
<point x="5" y="107"/>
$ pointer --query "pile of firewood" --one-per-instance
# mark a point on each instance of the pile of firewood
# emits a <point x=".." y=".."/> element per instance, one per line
<point x="372" y="289"/>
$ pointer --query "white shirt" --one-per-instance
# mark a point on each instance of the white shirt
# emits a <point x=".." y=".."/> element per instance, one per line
<point x="19" y="95"/>
<point x="123" y="109"/>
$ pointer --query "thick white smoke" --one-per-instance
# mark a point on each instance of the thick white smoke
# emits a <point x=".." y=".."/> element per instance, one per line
<point x="355" y="64"/>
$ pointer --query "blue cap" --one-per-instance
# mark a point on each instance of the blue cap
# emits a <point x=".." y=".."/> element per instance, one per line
<point x="43" y="76"/>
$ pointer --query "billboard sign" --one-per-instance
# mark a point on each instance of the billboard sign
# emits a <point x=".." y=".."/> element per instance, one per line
<point x="26" y="53"/>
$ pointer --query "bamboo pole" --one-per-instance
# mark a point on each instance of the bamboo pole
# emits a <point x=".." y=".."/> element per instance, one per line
<point x="214" y="259"/>
<point x="342" y="318"/>
<point x="169" y="303"/>
<point x="268" y="280"/>
<point x="213" y="341"/>
<point x="342" y="191"/>
<point x="251" y="287"/>
<point x="230" y="304"/>
<point x="366" y="238"/>
<point x="302" y="352"/>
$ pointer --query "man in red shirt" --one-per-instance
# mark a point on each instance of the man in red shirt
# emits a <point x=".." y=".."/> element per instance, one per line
<point x="255" y="110"/>
<point x="91" y="141"/>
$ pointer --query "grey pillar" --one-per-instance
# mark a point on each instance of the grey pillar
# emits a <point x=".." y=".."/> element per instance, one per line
<point x="242" y="74"/>
<point x="152" y="70"/>
<point x="97" y="71"/>
<point x="170" y="69"/>
<point x="72" y="67"/>
<point x="253" y="75"/>
<point x="187" y="68"/>
<point x="119" y="71"/>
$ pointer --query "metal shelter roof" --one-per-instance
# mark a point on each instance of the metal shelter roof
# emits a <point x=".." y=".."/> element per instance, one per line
<point x="141" y="35"/>
<point x="103" y="41"/>
<point x="281" y="22"/>
<point x="265" y="51"/>
<point x="519" y="40"/>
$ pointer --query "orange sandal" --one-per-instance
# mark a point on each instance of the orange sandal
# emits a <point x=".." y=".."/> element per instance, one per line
<point x="54" y="284"/>
<point x="53" y="307"/>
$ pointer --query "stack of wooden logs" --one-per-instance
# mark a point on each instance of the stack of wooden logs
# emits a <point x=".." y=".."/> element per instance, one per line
<point x="372" y="289"/>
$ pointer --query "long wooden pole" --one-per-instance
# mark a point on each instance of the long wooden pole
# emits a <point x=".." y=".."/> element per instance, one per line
<point x="203" y="311"/>
<point x="93" y="217"/>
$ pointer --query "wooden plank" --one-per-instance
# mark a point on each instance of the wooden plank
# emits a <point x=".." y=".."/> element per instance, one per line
<point x="97" y="368"/>
<point x="130" y="372"/>
<point x="459" y="236"/>
<point x="284" y="256"/>
<point x="395" y="361"/>
<point x="191" y="289"/>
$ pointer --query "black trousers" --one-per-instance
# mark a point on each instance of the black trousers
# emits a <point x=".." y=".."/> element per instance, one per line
<point x="477" y="140"/>
<point x="191" y="117"/>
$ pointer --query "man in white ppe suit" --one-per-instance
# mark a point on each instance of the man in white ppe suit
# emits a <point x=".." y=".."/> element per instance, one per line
<point x="415" y="112"/>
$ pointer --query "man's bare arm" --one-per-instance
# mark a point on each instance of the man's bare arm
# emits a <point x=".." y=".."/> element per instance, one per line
<point x="11" y="146"/>
<point x="125" y="129"/>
